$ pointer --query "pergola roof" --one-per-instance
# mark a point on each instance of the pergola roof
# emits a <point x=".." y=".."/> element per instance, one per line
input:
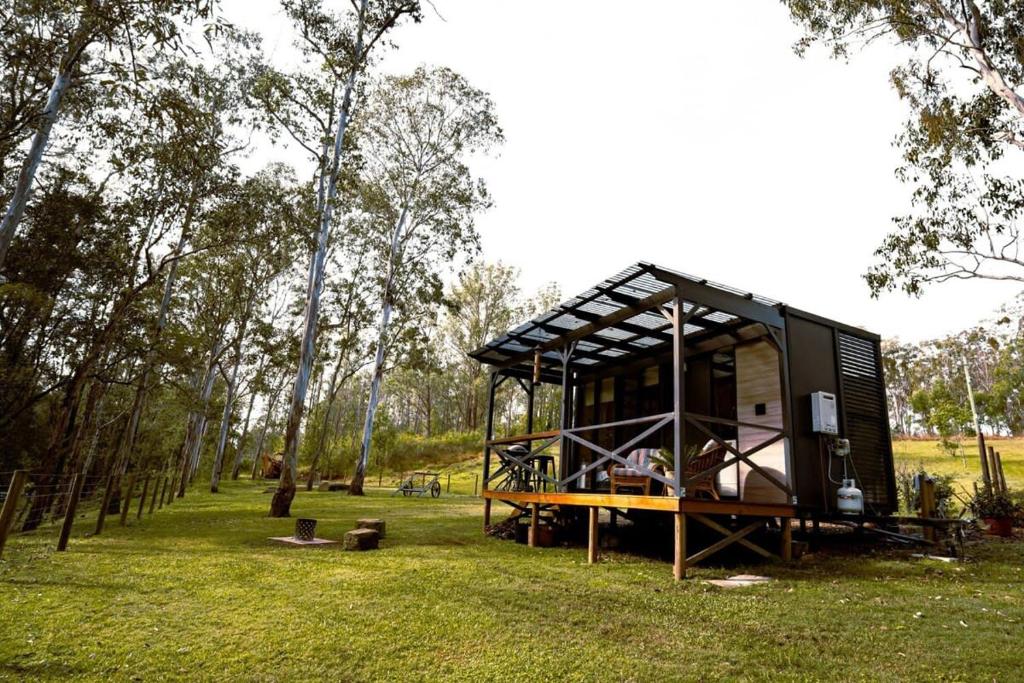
<point x="633" y="302"/>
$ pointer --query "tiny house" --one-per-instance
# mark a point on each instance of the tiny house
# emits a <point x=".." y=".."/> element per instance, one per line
<point x="689" y="397"/>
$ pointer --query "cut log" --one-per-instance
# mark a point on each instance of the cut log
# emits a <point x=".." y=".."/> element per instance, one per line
<point x="333" y="486"/>
<point x="361" y="539"/>
<point x="375" y="524"/>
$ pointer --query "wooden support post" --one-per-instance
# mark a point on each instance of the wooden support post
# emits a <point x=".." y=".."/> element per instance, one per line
<point x="534" y="524"/>
<point x="487" y="513"/>
<point x="786" y="552"/>
<point x="11" y="505"/>
<point x="127" y="499"/>
<point x="108" y="491"/>
<point x="993" y="469"/>
<point x="142" y="498"/>
<point x="448" y="487"/>
<point x="69" y="513"/>
<point x="1001" y="473"/>
<point x="593" y="543"/>
<point x="927" y="496"/>
<point x="679" y="565"/>
<point x="476" y="482"/>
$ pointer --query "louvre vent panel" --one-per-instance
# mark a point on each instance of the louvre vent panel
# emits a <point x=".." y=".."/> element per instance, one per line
<point x="862" y="387"/>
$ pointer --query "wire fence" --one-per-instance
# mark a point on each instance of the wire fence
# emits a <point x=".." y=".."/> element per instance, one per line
<point x="32" y="502"/>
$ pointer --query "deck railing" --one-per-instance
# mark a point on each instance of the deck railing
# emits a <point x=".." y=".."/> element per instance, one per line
<point x="517" y="469"/>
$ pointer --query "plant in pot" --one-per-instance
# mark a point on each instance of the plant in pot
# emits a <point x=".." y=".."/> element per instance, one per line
<point x="997" y="509"/>
<point x="667" y="461"/>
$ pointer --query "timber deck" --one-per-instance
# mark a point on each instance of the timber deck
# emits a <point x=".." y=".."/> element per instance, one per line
<point x="632" y="502"/>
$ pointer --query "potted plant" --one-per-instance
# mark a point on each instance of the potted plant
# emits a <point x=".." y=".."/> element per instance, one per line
<point x="667" y="461"/>
<point x="997" y="509"/>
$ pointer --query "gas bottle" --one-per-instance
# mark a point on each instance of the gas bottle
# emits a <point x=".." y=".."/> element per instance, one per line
<point x="850" y="498"/>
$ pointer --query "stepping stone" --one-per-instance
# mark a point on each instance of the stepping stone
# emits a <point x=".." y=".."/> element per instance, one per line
<point x="739" y="581"/>
<point x="375" y="524"/>
<point x="291" y="540"/>
<point x="362" y="539"/>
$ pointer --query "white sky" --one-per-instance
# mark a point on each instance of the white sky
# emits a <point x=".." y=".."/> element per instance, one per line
<point x="686" y="134"/>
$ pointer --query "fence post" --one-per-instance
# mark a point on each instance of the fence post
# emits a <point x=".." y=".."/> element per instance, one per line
<point x="156" y="491"/>
<point x="163" y="491"/>
<point x="1000" y="475"/>
<point x="927" y="495"/>
<point x="449" y="487"/>
<point x="10" y="505"/>
<point x="128" y="499"/>
<point x="142" y="498"/>
<point x="476" y="480"/>
<point x="69" y="514"/>
<point x="104" y="504"/>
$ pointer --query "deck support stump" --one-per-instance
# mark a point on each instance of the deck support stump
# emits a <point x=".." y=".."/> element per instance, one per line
<point x="593" y="544"/>
<point x="786" y="552"/>
<point x="679" y="563"/>
<point x="534" y="523"/>
<point x="487" y="513"/>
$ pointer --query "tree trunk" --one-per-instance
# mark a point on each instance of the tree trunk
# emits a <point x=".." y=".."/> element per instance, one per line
<point x="356" y="487"/>
<point x="127" y="446"/>
<point x="197" y="421"/>
<point x="16" y="208"/>
<point x="236" y="467"/>
<point x="281" y="504"/>
<point x="263" y="434"/>
<point x="225" y="423"/>
<point x="332" y="392"/>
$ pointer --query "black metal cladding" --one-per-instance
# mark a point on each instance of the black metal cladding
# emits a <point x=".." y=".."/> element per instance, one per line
<point x="866" y="420"/>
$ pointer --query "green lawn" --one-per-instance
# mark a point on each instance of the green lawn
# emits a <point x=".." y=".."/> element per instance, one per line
<point x="966" y="467"/>
<point x="196" y="592"/>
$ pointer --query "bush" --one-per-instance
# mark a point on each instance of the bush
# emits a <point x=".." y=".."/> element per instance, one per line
<point x="986" y="505"/>
<point x="909" y="497"/>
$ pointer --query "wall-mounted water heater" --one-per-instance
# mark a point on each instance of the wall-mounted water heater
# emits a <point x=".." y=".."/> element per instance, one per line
<point x="824" y="416"/>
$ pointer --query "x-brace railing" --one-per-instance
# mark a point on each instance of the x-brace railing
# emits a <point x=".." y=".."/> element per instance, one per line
<point x="659" y="420"/>
<point x="738" y="456"/>
<point x="520" y="461"/>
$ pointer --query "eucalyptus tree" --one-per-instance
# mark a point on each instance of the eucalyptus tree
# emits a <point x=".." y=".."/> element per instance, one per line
<point x="484" y="303"/>
<point x="348" y="314"/>
<point x="108" y="43"/>
<point x="420" y="197"/>
<point x="961" y="75"/>
<point x="268" y="210"/>
<point x="340" y="46"/>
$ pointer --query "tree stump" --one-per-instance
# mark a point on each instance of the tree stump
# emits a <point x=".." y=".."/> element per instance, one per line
<point x="375" y="524"/>
<point x="361" y="539"/>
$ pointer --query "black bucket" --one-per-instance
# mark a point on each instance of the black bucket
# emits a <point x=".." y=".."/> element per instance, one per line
<point x="305" y="529"/>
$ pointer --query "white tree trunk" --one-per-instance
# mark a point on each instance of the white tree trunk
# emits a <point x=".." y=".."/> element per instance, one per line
<point x="236" y="466"/>
<point x="258" y="453"/>
<point x="225" y="422"/>
<point x="280" y="506"/>
<point x="23" y="188"/>
<point x="378" y="363"/>
<point x="197" y="421"/>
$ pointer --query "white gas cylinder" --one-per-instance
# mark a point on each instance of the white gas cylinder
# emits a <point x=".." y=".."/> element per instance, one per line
<point x="850" y="498"/>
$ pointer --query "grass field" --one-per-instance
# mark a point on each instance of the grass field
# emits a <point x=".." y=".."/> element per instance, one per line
<point x="966" y="466"/>
<point x="196" y="592"/>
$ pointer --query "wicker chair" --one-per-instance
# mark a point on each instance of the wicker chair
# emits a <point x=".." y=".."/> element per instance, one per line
<point x="633" y="477"/>
<point x="712" y="455"/>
